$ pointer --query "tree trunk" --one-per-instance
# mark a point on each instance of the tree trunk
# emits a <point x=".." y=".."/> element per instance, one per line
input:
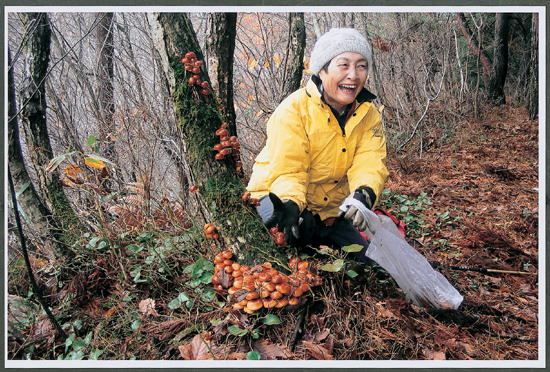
<point x="494" y="70"/>
<point x="499" y="68"/>
<point x="33" y="115"/>
<point x="221" y="47"/>
<point x="533" y="94"/>
<point x="473" y="43"/>
<point x="220" y="188"/>
<point x="295" y="54"/>
<point x="105" y="86"/>
<point x="35" y="213"/>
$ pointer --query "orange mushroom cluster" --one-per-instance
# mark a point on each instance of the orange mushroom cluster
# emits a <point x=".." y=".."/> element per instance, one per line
<point x="210" y="231"/>
<point x="228" y="146"/>
<point x="278" y="236"/>
<point x="262" y="285"/>
<point x="194" y="66"/>
<point x="246" y="198"/>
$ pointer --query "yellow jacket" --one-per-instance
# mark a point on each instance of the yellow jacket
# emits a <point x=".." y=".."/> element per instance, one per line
<point x="308" y="159"/>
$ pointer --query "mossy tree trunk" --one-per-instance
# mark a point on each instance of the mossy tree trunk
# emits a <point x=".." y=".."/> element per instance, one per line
<point x="105" y="83"/>
<point x="533" y="94"/>
<point x="494" y="69"/>
<point x="32" y="94"/>
<point x="295" y="54"/>
<point x="220" y="186"/>
<point x="34" y="211"/>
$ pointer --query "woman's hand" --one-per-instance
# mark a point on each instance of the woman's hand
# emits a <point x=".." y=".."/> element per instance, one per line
<point x="365" y="196"/>
<point x="286" y="217"/>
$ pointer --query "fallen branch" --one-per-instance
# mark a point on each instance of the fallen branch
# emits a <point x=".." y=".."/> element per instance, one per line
<point x="34" y="285"/>
<point x="437" y="265"/>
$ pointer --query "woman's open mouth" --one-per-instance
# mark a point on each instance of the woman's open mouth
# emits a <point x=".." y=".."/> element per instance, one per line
<point x="347" y="88"/>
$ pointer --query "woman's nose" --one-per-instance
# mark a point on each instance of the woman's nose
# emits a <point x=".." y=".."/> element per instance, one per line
<point x="352" y="73"/>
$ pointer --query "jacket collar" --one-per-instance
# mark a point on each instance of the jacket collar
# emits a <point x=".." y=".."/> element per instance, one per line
<point x="363" y="96"/>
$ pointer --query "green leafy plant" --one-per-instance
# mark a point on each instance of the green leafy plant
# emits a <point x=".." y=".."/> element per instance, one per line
<point x="200" y="275"/>
<point x="341" y="264"/>
<point x="268" y="320"/>
<point x="77" y="348"/>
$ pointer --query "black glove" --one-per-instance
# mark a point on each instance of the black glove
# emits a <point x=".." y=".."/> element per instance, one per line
<point x="286" y="217"/>
<point x="307" y="228"/>
<point x="366" y="196"/>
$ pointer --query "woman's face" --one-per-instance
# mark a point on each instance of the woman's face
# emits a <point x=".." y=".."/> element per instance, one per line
<point x="344" y="79"/>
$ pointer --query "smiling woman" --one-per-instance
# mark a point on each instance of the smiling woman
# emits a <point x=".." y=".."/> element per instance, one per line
<point x="343" y="79"/>
<point x="324" y="142"/>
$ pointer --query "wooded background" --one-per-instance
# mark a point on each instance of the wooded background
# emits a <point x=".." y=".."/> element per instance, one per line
<point x="101" y="76"/>
<point x="106" y="138"/>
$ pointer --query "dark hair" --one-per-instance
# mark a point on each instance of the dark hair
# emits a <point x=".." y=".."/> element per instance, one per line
<point x="325" y="67"/>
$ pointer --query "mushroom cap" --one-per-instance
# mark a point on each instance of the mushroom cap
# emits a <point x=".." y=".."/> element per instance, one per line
<point x="284" y="288"/>
<point x="254" y="304"/>
<point x="236" y="273"/>
<point x="297" y="292"/>
<point x="293" y="263"/>
<point x="238" y="283"/>
<point x="293" y="300"/>
<point x="276" y="295"/>
<point x="269" y="302"/>
<point x="265" y="277"/>
<point x="277" y="279"/>
<point x="264" y="293"/>
<point x="215" y="279"/>
<point x="282" y="303"/>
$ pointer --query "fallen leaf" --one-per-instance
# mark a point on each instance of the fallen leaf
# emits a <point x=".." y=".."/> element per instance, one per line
<point x="270" y="351"/>
<point x="224" y="278"/>
<point x="467" y="348"/>
<point x="237" y="356"/>
<point x="198" y="349"/>
<point x="321" y="335"/>
<point x="433" y="355"/>
<point x="110" y="312"/>
<point x="147" y="307"/>
<point x="317" y="352"/>
<point x="386" y="313"/>
<point x="525" y="288"/>
<point x="493" y="280"/>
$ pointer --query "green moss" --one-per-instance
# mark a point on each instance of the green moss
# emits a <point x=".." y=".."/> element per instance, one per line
<point x="240" y="220"/>
<point x="17" y="278"/>
<point x="221" y="186"/>
<point x="69" y="226"/>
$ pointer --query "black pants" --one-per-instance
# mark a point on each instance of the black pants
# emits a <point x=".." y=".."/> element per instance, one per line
<point x="340" y="234"/>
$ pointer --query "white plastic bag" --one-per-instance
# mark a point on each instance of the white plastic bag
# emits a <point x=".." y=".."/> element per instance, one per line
<point x="413" y="273"/>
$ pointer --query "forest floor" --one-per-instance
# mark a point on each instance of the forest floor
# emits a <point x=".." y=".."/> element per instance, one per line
<point x="470" y="201"/>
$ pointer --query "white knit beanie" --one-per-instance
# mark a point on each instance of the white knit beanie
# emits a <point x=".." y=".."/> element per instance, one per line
<point x="337" y="41"/>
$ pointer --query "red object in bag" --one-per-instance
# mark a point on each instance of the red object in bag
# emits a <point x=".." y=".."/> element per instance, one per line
<point x="398" y="223"/>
